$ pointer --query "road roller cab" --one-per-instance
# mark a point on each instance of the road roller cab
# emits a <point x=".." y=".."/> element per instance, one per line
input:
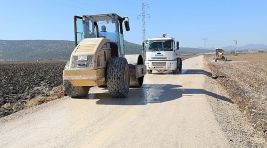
<point x="99" y="57"/>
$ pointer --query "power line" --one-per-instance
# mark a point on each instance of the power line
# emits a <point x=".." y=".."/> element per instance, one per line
<point x="144" y="15"/>
<point x="235" y="42"/>
<point x="205" y="40"/>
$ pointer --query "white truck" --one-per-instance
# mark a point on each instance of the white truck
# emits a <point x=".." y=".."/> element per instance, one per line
<point x="162" y="54"/>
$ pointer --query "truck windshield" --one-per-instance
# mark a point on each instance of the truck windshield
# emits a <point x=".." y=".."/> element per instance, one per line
<point x="160" y="45"/>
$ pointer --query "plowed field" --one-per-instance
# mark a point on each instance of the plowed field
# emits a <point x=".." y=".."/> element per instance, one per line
<point x="20" y="82"/>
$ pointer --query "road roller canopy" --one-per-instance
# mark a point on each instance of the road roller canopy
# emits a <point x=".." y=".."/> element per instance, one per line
<point x="109" y="26"/>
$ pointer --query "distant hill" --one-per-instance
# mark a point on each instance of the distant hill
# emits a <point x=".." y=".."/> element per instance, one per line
<point x="21" y="50"/>
<point x="248" y="47"/>
<point x="189" y="50"/>
<point x="132" y="48"/>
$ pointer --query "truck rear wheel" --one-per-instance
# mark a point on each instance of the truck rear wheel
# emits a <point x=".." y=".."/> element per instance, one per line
<point x="118" y="78"/>
<point x="180" y="65"/>
<point x="75" y="91"/>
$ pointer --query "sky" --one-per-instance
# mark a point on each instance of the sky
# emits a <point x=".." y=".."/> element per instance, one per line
<point x="219" y="22"/>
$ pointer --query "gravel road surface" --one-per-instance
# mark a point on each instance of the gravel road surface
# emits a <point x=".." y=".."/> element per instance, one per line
<point x="169" y="111"/>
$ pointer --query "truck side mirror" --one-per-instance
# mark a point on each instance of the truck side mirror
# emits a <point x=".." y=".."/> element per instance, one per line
<point x="126" y="24"/>
<point x="177" y="46"/>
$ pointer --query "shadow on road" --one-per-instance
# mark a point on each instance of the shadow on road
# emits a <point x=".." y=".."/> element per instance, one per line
<point x="149" y="93"/>
<point x="152" y="93"/>
<point x="186" y="71"/>
<point x="208" y="93"/>
<point x="197" y="71"/>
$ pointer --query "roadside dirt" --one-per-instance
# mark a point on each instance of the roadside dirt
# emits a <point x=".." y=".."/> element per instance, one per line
<point x="234" y="123"/>
<point x="245" y="79"/>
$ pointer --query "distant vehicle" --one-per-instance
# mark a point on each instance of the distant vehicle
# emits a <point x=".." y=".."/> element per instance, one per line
<point x="219" y="55"/>
<point x="162" y="54"/>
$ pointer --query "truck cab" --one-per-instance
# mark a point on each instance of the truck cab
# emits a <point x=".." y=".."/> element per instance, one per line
<point x="162" y="54"/>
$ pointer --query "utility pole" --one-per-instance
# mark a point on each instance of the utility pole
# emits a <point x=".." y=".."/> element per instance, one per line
<point x="1" y="54"/>
<point x="144" y="15"/>
<point x="205" y="40"/>
<point x="235" y="42"/>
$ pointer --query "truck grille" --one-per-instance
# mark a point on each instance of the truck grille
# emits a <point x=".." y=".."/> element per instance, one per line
<point x="158" y="63"/>
<point x="159" y="58"/>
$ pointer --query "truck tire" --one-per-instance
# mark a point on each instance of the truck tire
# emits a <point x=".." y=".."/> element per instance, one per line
<point x="180" y="65"/>
<point x="118" y="77"/>
<point x="75" y="91"/>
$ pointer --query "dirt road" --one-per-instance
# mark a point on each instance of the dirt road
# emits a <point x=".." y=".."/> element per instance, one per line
<point x="169" y="111"/>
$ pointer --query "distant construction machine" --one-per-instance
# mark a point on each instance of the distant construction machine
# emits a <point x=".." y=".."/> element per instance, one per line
<point x="99" y="57"/>
<point x="219" y="55"/>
